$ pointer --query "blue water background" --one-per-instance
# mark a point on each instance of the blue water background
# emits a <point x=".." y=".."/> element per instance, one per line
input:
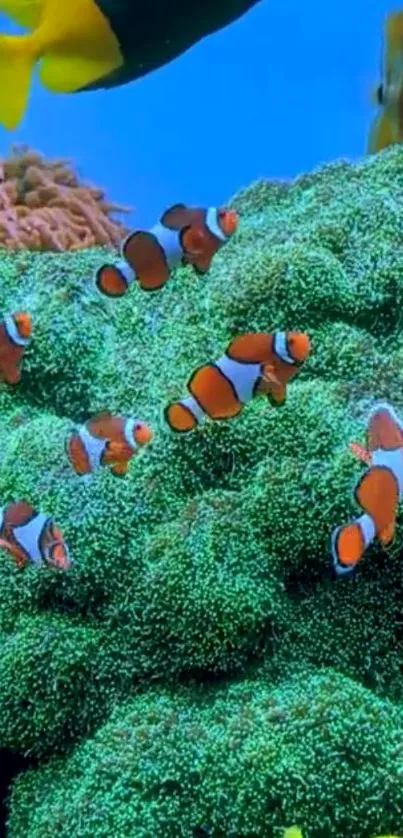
<point x="278" y="92"/>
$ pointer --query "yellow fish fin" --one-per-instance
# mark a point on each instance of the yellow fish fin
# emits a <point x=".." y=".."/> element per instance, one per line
<point x="394" y="32"/>
<point x="79" y="46"/>
<point x="381" y="133"/>
<point x="293" y="832"/>
<point x="17" y="60"/>
<point x="25" y="12"/>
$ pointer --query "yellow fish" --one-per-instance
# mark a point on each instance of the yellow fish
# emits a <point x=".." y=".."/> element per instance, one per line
<point x="88" y="44"/>
<point x="387" y="127"/>
<point x="293" y="832"/>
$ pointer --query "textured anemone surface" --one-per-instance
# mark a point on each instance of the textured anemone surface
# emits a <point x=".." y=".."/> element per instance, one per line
<point x="199" y="672"/>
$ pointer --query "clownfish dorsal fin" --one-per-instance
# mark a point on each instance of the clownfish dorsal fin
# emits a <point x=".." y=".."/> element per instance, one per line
<point x="251" y="348"/>
<point x="19" y="513"/>
<point x="174" y="216"/>
<point x="179" y="216"/>
<point x="384" y="429"/>
<point x="103" y="424"/>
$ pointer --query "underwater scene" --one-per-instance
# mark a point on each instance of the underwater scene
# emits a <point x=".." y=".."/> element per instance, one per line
<point x="201" y="419"/>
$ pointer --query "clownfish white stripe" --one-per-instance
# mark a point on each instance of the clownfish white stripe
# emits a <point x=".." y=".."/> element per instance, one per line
<point x="126" y="270"/>
<point x="281" y="349"/>
<point x="93" y="446"/>
<point x="213" y="224"/>
<point x="170" y="242"/>
<point x="367" y="528"/>
<point x="393" y="460"/>
<point x="128" y="432"/>
<point x="28" y="536"/>
<point x="242" y="376"/>
<point x="191" y="404"/>
<point x="12" y="331"/>
<point x="1" y="517"/>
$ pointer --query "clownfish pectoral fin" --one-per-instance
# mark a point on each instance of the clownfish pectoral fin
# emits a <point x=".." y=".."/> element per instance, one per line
<point x="347" y="545"/>
<point x="120" y="468"/>
<point x="201" y="264"/>
<point x="17" y="556"/>
<point x="268" y="379"/>
<point x="113" y="452"/>
<point x="360" y="452"/>
<point x="387" y="535"/>
<point x="382" y="133"/>
<point x="111" y="281"/>
<point x="277" y="394"/>
<point x="11" y="374"/>
<point x="58" y="556"/>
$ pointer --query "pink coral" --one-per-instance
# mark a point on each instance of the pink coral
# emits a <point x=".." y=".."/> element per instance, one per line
<point x="43" y="206"/>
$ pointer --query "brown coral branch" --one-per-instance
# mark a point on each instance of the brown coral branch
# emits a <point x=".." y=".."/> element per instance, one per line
<point x="43" y="206"/>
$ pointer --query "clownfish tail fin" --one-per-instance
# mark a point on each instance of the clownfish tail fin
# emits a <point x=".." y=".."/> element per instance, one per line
<point x="349" y="542"/>
<point x="180" y="417"/>
<point x="114" y="280"/>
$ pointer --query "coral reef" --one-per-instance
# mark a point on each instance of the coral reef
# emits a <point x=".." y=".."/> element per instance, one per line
<point x="200" y="672"/>
<point x="43" y="206"/>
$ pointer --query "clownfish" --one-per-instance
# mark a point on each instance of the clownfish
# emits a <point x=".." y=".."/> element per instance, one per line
<point x="293" y="832"/>
<point x="387" y="127"/>
<point x="32" y="536"/>
<point x="91" y="44"/>
<point x="15" y="335"/>
<point x="255" y="362"/>
<point x="378" y="491"/>
<point x="182" y="236"/>
<point x="106" y="439"/>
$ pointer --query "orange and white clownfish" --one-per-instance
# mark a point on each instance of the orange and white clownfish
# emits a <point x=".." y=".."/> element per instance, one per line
<point x="15" y="335"/>
<point x="378" y="491"/>
<point x="32" y="537"/>
<point x="387" y="127"/>
<point x="255" y="362"/>
<point x="106" y="439"/>
<point x="182" y="236"/>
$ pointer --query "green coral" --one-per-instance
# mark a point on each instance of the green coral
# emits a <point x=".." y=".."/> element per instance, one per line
<point x="207" y="568"/>
<point x="242" y="760"/>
